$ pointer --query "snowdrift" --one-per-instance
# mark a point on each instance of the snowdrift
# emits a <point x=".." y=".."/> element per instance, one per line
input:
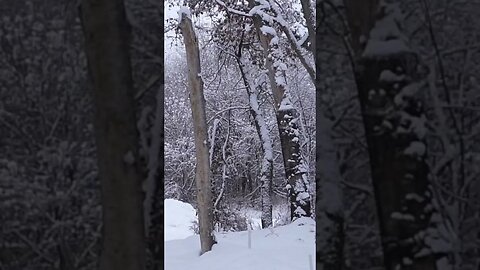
<point x="289" y="247"/>
<point x="179" y="218"/>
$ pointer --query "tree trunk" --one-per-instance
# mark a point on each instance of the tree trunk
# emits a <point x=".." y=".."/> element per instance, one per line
<point x="287" y="118"/>
<point x="309" y="16"/>
<point x="330" y="212"/>
<point x="106" y="35"/>
<point x="154" y="190"/>
<point x="390" y="79"/>
<point x="361" y="18"/>
<point x="197" y="101"/>
<point x="266" y="169"/>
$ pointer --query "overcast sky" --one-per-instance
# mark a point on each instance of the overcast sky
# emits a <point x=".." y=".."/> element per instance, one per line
<point x="170" y="12"/>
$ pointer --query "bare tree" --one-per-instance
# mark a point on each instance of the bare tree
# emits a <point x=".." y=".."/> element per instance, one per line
<point x="197" y="101"/>
<point x="107" y="46"/>
<point x="266" y="170"/>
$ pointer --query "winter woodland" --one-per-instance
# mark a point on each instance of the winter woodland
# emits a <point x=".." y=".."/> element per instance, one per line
<point x="254" y="134"/>
<point x="240" y="119"/>
<point x="398" y="83"/>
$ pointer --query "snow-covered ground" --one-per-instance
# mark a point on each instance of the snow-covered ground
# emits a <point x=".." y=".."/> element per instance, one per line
<point x="179" y="217"/>
<point x="288" y="247"/>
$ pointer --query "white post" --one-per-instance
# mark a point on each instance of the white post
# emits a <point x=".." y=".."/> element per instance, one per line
<point x="249" y="238"/>
<point x="310" y="261"/>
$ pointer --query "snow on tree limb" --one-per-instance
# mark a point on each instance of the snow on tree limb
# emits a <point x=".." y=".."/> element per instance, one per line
<point x="184" y="11"/>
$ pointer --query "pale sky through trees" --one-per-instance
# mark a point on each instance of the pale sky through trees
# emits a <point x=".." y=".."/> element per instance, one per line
<point x="170" y="12"/>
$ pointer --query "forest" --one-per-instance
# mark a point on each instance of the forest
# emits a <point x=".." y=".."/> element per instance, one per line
<point x="240" y="128"/>
<point x="399" y="82"/>
<point x="254" y="134"/>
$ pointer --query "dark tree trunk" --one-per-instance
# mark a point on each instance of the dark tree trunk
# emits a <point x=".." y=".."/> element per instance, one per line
<point x="154" y="188"/>
<point x="155" y="233"/>
<point x="287" y="118"/>
<point x="107" y="46"/>
<point x="308" y="14"/>
<point x="390" y="80"/>
<point x="330" y="212"/>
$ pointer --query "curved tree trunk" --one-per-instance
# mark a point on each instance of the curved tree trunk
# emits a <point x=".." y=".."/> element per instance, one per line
<point x="107" y="34"/>
<point x="266" y="169"/>
<point x="197" y="101"/>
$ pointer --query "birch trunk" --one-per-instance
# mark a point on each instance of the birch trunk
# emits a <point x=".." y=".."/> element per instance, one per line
<point x="106" y="35"/>
<point x="197" y="101"/>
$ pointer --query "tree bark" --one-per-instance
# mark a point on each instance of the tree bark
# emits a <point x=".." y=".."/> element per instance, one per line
<point x="107" y="47"/>
<point x="310" y="20"/>
<point x="153" y="186"/>
<point x="390" y="80"/>
<point x="197" y="101"/>
<point x="330" y="212"/>
<point x="266" y="169"/>
<point x="361" y="18"/>
<point x="287" y="118"/>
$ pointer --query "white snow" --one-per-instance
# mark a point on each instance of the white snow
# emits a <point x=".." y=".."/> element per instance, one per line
<point x="179" y="218"/>
<point x="414" y="197"/>
<point x="299" y="211"/>
<point x="417" y="125"/>
<point x="267" y="30"/>
<point x="271" y="248"/>
<point x="389" y="76"/>
<point x="285" y="104"/>
<point x="408" y="91"/>
<point x="280" y="80"/>
<point x="303" y="196"/>
<point x="416" y="148"/>
<point x="213" y="132"/>
<point x="371" y="94"/>
<point x="386" y="38"/>
<point x="288" y="247"/>
<point x="279" y="65"/>
<point x="184" y="11"/>
<point x="400" y="216"/>
<point x="128" y="158"/>
<point x="407" y="261"/>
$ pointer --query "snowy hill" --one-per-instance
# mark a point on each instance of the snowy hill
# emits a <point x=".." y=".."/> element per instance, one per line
<point x="283" y="248"/>
<point x="179" y="217"/>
